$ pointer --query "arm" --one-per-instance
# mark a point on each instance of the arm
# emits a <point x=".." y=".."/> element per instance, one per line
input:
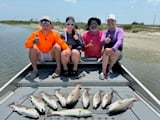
<point x="29" y="41"/>
<point x="103" y="37"/>
<point x="61" y="42"/>
<point x="79" y="42"/>
<point x="120" y="37"/>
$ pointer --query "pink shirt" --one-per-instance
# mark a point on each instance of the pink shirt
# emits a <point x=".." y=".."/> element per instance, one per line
<point x="96" y="49"/>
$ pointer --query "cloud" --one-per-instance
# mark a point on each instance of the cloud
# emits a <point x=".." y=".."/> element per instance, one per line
<point x="155" y="2"/>
<point x="71" y="1"/>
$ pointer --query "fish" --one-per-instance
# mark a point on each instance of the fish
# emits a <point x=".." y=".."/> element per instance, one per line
<point x="97" y="99"/>
<point x="25" y="111"/>
<point x="120" y="106"/>
<point x="49" y="100"/>
<point x="74" y="95"/>
<point x="85" y="98"/>
<point x="38" y="103"/>
<point x="76" y="112"/>
<point x="60" y="97"/>
<point x="107" y="98"/>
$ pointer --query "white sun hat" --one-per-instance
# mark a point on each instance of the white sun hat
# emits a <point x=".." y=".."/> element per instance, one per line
<point x="46" y="18"/>
<point x="111" y="16"/>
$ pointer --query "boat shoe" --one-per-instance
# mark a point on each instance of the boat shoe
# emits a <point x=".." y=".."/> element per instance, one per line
<point x="56" y="73"/>
<point x="103" y="76"/>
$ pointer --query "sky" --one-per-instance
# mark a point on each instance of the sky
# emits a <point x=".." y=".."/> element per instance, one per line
<point x="126" y="11"/>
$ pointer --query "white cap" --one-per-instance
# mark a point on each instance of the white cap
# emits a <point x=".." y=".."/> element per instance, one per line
<point x="46" y="18"/>
<point x="111" y="16"/>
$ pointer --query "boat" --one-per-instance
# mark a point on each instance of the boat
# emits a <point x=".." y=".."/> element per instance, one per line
<point x="121" y="80"/>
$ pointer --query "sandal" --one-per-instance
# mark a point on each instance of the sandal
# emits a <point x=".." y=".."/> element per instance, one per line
<point x="74" y="72"/>
<point x="56" y="73"/>
<point x="34" y="74"/>
<point x="66" y="73"/>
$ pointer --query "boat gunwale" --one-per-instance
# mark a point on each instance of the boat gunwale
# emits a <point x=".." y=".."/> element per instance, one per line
<point x="11" y="85"/>
<point x="141" y="90"/>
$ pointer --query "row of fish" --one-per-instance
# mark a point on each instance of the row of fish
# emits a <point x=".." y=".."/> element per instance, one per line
<point x="71" y="100"/>
<point x="33" y="113"/>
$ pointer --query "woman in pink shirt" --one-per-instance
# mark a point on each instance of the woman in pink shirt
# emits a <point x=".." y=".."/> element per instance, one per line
<point x="92" y="39"/>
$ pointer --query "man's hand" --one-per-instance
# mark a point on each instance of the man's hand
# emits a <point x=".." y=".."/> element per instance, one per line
<point x="67" y="52"/>
<point x="90" y="44"/>
<point x="35" y="47"/>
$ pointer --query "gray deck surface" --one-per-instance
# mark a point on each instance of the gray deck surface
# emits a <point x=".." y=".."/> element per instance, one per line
<point x="45" y="83"/>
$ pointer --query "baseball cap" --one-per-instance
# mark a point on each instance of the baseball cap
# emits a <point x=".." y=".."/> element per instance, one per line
<point x="111" y="16"/>
<point x="46" y="18"/>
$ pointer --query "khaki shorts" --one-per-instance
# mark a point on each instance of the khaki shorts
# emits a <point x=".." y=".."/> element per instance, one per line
<point x="46" y="57"/>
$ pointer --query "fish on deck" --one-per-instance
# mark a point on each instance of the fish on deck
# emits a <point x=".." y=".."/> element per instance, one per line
<point x="85" y="98"/>
<point x="120" y="106"/>
<point x="38" y="103"/>
<point x="75" y="112"/>
<point x="25" y="111"/>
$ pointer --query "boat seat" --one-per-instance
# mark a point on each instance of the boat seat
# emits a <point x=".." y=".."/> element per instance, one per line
<point x="82" y="61"/>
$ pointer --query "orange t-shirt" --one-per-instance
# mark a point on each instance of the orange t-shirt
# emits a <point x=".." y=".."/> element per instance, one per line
<point x="46" y="42"/>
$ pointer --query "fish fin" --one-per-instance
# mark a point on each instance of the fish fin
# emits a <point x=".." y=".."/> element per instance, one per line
<point x="119" y="102"/>
<point x="13" y="103"/>
<point x="130" y="106"/>
<point x="10" y="105"/>
<point x="49" y="112"/>
<point x="137" y="98"/>
<point x="79" y="85"/>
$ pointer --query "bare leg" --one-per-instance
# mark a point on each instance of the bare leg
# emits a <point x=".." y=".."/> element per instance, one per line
<point x="34" y="57"/>
<point x="105" y="61"/>
<point x="113" y="59"/>
<point x="75" y="57"/>
<point x="56" y="53"/>
<point x="65" y="60"/>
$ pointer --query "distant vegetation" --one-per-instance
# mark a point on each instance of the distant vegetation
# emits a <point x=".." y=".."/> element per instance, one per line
<point x="133" y="27"/>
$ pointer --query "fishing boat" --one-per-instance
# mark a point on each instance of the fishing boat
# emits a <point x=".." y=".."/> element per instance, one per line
<point x="121" y="80"/>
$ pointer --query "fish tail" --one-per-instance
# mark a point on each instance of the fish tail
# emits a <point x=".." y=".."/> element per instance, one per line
<point x="50" y="112"/>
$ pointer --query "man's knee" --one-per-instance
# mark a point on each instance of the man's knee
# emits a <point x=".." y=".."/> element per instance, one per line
<point x="33" y="51"/>
<point x="57" y="47"/>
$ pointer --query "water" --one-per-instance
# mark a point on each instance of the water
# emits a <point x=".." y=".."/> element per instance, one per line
<point x="14" y="56"/>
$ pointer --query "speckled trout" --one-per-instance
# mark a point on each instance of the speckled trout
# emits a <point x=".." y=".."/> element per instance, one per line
<point x="38" y="103"/>
<point x="76" y="112"/>
<point x="74" y="95"/>
<point x="49" y="100"/>
<point x="121" y="105"/>
<point x="97" y="99"/>
<point x="60" y="97"/>
<point x="25" y="111"/>
<point x="85" y="98"/>
<point x="106" y="100"/>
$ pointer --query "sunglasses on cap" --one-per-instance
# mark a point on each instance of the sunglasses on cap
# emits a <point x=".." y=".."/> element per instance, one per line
<point x="70" y="24"/>
<point x="45" y="22"/>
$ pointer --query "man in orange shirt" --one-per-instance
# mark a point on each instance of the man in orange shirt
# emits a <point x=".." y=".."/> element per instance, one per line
<point x="43" y="46"/>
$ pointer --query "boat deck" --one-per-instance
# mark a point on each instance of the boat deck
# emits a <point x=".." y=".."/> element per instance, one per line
<point x="88" y="79"/>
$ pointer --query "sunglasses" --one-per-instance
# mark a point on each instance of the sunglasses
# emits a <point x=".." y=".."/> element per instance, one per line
<point x="70" y="24"/>
<point x="94" y="23"/>
<point x="110" y="20"/>
<point x="45" y="22"/>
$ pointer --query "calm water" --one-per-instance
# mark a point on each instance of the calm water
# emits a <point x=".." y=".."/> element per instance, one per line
<point x="13" y="57"/>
